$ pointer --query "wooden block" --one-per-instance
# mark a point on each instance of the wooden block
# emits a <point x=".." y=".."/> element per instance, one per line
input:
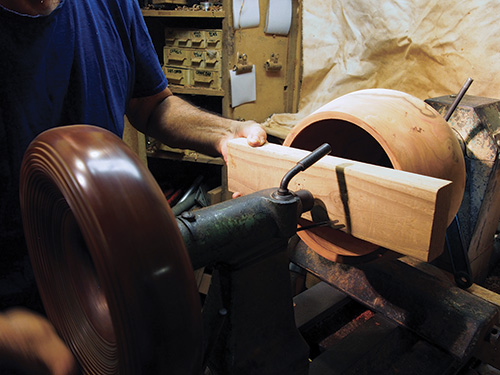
<point x="204" y="286"/>
<point x="401" y="211"/>
<point x="135" y="140"/>
<point x="215" y="195"/>
<point x="198" y="275"/>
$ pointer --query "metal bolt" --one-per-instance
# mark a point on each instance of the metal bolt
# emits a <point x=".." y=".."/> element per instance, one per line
<point x="223" y="312"/>
<point x="496" y="137"/>
<point x="494" y="335"/>
<point x="189" y="216"/>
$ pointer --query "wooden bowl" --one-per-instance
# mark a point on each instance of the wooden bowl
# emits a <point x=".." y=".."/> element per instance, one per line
<point x="387" y="128"/>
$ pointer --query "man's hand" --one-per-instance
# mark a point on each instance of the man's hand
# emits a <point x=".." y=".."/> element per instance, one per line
<point x="252" y="131"/>
<point x="29" y="343"/>
<point x="179" y="124"/>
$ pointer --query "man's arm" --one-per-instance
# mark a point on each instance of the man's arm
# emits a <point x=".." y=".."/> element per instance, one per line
<point x="177" y="123"/>
<point x="29" y="343"/>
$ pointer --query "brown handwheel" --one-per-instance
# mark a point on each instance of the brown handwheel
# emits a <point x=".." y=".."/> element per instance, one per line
<point x="110" y="263"/>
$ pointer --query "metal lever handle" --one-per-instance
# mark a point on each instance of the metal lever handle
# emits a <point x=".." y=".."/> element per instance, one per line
<point x="302" y="165"/>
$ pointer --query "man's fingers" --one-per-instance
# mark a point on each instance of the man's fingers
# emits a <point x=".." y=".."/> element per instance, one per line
<point x="255" y="134"/>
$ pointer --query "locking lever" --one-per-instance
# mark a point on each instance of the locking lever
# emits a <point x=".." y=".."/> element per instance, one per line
<point x="302" y="165"/>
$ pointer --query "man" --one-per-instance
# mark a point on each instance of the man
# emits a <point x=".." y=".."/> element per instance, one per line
<point x="28" y="343"/>
<point x="90" y="62"/>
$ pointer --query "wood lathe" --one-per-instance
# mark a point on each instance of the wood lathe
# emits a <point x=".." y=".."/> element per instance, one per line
<point x="115" y="267"/>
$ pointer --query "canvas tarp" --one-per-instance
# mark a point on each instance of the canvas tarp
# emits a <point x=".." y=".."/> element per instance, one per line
<point x="426" y="48"/>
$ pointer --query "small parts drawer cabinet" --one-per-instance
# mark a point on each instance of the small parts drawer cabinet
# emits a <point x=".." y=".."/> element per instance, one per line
<point x="192" y="57"/>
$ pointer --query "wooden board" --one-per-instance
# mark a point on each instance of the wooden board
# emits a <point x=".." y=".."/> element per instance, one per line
<point x="135" y="140"/>
<point x="397" y="210"/>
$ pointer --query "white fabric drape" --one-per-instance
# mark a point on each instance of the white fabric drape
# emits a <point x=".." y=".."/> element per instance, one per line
<point x="426" y="48"/>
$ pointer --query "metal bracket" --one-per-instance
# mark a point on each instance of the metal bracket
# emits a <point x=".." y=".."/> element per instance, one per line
<point x="272" y="64"/>
<point x="242" y="65"/>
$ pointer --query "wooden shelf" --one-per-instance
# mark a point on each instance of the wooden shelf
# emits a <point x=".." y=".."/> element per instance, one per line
<point x="184" y="155"/>
<point x="195" y="90"/>
<point x="183" y="13"/>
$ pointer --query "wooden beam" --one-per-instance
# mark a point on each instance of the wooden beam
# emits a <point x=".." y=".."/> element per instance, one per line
<point x="400" y="211"/>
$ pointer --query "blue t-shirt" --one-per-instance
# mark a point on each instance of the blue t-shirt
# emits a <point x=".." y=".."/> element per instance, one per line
<point x="81" y="64"/>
